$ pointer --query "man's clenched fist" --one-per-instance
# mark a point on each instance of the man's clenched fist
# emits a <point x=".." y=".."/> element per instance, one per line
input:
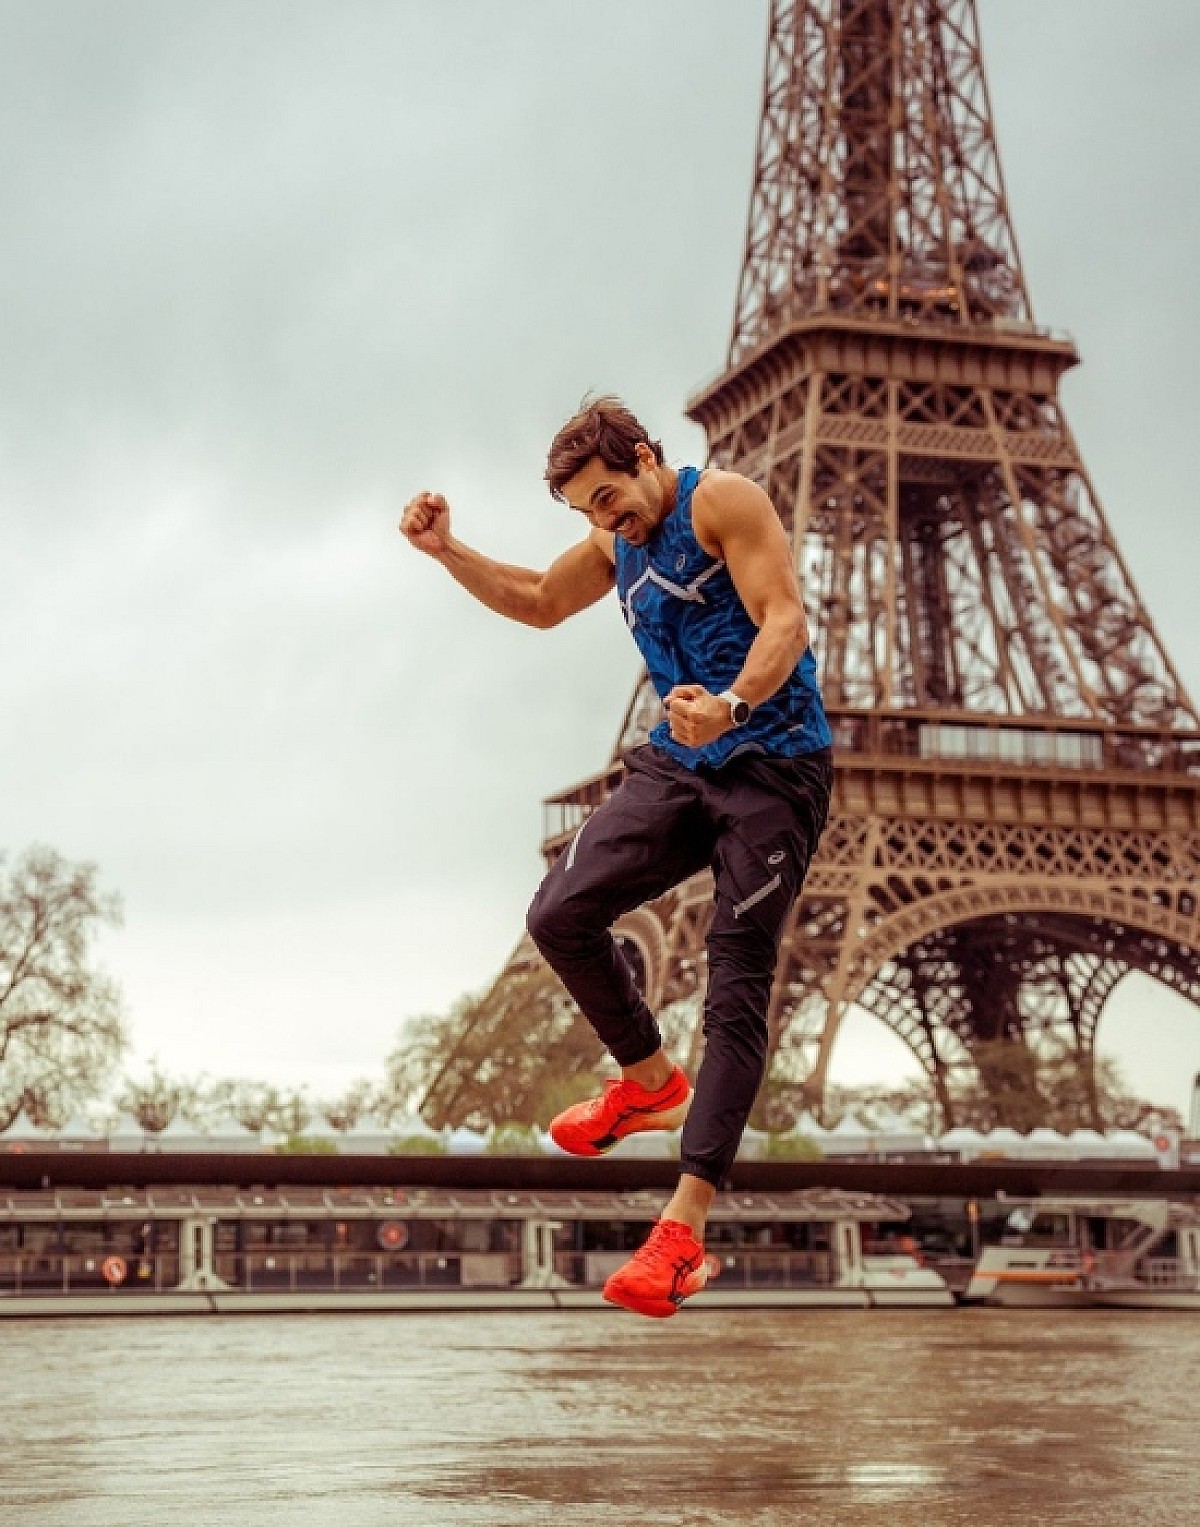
<point x="425" y="523"/>
<point x="695" y="716"/>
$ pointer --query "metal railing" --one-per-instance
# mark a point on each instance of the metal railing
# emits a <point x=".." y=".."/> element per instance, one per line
<point x="805" y="310"/>
<point x="1018" y="743"/>
<point x="267" y="1270"/>
<point x="1166" y="1272"/>
<point x="34" y="1273"/>
<point x="775" y="1269"/>
<point x="28" y="1275"/>
<point x="1064" y="747"/>
<point x="740" y="1267"/>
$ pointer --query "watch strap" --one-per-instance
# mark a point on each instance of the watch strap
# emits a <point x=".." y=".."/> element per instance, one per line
<point x="739" y="709"/>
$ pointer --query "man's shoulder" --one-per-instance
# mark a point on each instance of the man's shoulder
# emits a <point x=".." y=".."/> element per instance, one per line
<point x="721" y="496"/>
<point x="718" y="486"/>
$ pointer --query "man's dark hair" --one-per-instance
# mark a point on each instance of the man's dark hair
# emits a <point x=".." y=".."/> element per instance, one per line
<point x="603" y="427"/>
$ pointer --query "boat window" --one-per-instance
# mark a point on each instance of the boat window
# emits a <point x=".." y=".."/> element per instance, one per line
<point x="108" y="1237"/>
<point x="614" y="1235"/>
<point x="39" y="1238"/>
<point x="296" y="1233"/>
<point x="1124" y="1232"/>
<point x="463" y="1235"/>
<point x="1037" y="1227"/>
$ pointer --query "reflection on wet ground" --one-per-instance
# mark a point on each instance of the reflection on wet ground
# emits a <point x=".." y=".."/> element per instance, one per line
<point x="940" y="1418"/>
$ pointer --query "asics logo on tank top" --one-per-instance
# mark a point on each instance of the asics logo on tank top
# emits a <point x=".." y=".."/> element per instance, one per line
<point x="691" y="627"/>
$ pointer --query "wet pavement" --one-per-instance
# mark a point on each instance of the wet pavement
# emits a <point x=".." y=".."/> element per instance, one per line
<point x="909" y="1419"/>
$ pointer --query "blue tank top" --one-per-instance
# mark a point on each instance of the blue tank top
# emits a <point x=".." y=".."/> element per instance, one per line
<point x="692" y="628"/>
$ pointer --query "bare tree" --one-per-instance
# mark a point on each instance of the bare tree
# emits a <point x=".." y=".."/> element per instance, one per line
<point x="260" y="1105"/>
<point x="61" y="1031"/>
<point x="155" y="1099"/>
<point x="253" y="1104"/>
<point x="344" y="1111"/>
<point x="515" y="1055"/>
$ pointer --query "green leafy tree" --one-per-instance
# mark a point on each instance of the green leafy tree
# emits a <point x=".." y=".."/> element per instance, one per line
<point x="307" y="1145"/>
<point x="417" y="1145"/>
<point x="792" y="1148"/>
<point x="61" y="1029"/>
<point x="514" y="1140"/>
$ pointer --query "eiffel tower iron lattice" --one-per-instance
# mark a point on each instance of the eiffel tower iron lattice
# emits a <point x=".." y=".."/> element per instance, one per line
<point x="1016" y="820"/>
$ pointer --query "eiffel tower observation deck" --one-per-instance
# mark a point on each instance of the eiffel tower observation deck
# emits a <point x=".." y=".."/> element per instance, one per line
<point x="1016" y="820"/>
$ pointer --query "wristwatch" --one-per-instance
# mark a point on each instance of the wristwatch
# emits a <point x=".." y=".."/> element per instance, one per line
<point x="739" y="709"/>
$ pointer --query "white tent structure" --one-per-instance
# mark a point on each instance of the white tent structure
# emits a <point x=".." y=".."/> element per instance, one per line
<point x="849" y="1137"/>
<point x="412" y="1126"/>
<point x="753" y="1146"/>
<point x="409" y="1133"/>
<point x="466" y="1142"/>
<point x="1087" y="1145"/>
<point x="1004" y="1142"/>
<point x="804" y="1132"/>
<point x="78" y="1135"/>
<point x="1045" y="1144"/>
<point x="231" y="1135"/>
<point x="180" y="1136"/>
<point x="650" y="1145"/>
<point x="1128" y="1145"/>
<point x="962" y="1141"/>
<point x="126" y="1135"/>
<point x="894" y="1135"/>
<point x="809" y="1127"/>
<point x="368" y="1137"/>
<point x="24" y="1135"/>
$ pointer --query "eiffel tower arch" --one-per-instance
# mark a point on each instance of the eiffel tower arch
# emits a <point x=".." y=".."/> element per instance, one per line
<point x="1016" y="813"/>
<point x="1016" y="820"/>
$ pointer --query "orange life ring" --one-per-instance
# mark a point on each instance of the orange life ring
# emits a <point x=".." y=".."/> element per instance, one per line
<point x="393" y="1235"/>
<point x="114" y="1270"/>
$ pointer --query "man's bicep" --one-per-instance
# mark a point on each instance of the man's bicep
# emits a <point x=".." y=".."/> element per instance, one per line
<point x="757" y="552"/>
<point x="577" y="579"/>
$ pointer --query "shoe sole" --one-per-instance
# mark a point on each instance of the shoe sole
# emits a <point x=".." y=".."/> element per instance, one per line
<point x="669" y="1118"/>
<point x="663" y="1309"/>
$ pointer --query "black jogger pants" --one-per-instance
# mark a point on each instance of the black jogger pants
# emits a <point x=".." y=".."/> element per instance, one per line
<point x="756" y="822"/>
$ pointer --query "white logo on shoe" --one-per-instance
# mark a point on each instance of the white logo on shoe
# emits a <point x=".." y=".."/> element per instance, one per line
<point x="777" y="858"/>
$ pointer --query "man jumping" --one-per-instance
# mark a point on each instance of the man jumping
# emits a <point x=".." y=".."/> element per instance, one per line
<point x="736" y="778"/>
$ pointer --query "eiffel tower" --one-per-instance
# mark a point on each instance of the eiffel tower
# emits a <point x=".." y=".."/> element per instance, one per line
<point x="1016" y="820"/>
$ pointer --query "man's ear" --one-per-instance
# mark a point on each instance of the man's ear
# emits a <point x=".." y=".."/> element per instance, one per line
<point x="645" y="456"/>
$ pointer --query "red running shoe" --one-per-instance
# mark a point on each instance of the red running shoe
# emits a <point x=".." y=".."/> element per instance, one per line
<point x="624" y="1108"/>
<point x="668" y="1269"/>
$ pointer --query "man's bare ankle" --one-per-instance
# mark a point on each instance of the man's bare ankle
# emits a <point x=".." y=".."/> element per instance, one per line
<point x="690" y="1204"/>
<point x="652" y="1073"/>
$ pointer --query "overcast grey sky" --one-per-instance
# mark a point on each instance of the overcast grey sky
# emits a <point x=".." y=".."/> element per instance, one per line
<point x="270" y="266"/>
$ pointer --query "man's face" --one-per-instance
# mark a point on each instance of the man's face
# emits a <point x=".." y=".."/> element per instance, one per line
<point x="632" y="507"/>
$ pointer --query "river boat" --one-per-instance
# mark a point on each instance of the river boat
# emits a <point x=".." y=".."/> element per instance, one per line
<point x="224" y="1250"/>
<point x="1089" y="1252"/>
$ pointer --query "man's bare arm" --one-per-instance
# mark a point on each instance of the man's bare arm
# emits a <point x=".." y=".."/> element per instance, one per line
<point x="736" y="521"/>
<point x="746" y="532"/>
<point x="577" y="579"/>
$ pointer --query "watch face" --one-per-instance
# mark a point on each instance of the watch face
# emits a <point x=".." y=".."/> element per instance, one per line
<point x="740" y="712"/>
